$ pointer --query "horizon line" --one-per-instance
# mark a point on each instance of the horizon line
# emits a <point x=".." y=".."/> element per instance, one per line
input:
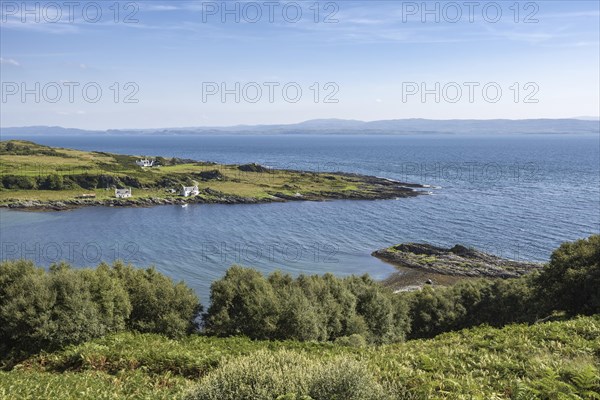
<point x="580" y="118"/>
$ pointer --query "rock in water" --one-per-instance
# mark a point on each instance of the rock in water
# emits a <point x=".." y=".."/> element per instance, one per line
<point x="456" y="261"/>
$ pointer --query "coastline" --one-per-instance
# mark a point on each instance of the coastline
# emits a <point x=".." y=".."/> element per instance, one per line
<point x="44" y="178"/>
<point x="383" y="189"/>
<point x="419" y="264"/>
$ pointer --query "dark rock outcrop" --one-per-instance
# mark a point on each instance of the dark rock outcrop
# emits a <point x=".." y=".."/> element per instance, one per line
<point x="212" y="175"/>
<point x="456" y="261"/>
<point x="253" y="168"/>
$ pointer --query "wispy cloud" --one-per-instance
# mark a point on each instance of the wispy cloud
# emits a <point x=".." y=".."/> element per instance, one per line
<point x="78" y="112"/>
<point x="160" y="7"/>
<point x="9" y="61"/>
<point x="13" y="22"/>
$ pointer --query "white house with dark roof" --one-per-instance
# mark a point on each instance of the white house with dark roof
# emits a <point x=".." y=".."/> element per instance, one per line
<point x="188" y="191"/>
<point x="122" y="193"/>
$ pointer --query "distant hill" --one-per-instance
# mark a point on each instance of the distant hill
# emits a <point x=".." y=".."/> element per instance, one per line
<point x="585" y="125"/>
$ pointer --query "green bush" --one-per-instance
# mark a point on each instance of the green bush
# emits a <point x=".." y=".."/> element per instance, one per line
<point x="42" y="309"/>
<point x="320" y="308"/>
<point x="110" y="295"/>
<point x="354" y="340"/>
<point x="47" y="310"/>
<point x="571" y="281"/>
<point x="287" y="374"/>
<point x="242" y="303"/>
<point x="344" y="378"/>
<point x="471" y="303"/>
<point x="432" y="311"/>
<point x="325" y="308"/>
<point x="18" y="182"/>
<point x="51" y="182"/>
<point x="158" y="304"/>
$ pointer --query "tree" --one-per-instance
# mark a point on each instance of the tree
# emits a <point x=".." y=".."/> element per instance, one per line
<point x="298" y="319"/>
<point x="571" y="281"/>
<point x="432" y="311"/>
<point x="242" y="302"/>
<point x="158" y="305"/>
<point x="42" y="309"/>
<point x="52" y="182"/>
<point x="111" y="297"/>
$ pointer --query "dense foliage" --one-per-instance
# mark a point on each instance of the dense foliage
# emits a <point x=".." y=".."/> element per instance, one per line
<point x="244" y="302"/>
<point x="266" y="374"/>
<point x="306" y="308"/>
<point x="42" y="309"/>
<point x="571" y="282"/>
<point x="552" y="360"/>
<point x="318" y="329"/>
<point x="325" y="308"/>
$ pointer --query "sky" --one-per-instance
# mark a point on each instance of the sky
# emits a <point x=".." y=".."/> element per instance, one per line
<point x="153" y="64"/>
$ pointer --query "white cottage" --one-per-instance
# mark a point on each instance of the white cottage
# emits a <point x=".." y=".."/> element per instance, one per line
<point x="188" y="191"/>
<point x="145" y="163"/>
<point x="122" y="193"/>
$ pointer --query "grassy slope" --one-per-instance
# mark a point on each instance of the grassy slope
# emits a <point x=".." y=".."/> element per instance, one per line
<point x="548" y="361"/>
<point x="44" y="160"/>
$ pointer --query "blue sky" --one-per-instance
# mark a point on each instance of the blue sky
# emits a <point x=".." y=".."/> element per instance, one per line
<point x="373" y="59"/>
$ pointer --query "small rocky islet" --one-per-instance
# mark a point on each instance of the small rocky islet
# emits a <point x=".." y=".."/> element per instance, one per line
<point x="420" y="264"/>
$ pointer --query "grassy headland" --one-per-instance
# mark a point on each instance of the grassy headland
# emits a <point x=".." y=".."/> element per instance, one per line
<point x="42" y="177"/>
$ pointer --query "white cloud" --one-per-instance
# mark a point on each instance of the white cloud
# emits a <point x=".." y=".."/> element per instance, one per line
<point x="9" y="61"/>
<point x="161" y="7"/>
<point x="78" y="112"/>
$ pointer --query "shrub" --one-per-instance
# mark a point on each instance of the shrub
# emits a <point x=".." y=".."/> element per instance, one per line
<point x="286" y="374"/>
<point x="354" y="340"/>
<point x="131" y="181"/>
<point x="344" y="378"/>
<point x="86" y="181"/>
<point x="51" y="182"/>
<point x="571" y="281"/>
<point x="42" y="309"/>
<point x="158" y="304"/>
<point x="298" y="319"/>
<point x="242" y="302"/>
<point x="111" y="297"/>
<point x="26" y="302"/>
<point x="47" y="310"/>
<point x="18" y="182"/>
<point x="432" y="311"/>
<point x="306" y="308"/>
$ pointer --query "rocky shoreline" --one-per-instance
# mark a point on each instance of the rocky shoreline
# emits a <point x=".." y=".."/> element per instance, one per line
<point x="372" y="188"/>
<point x="421" y="264"/>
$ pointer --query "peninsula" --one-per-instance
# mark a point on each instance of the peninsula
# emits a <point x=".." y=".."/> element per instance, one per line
<point x="38" y="177"/>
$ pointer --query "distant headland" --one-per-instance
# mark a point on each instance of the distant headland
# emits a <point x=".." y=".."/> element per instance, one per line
<point x="412" y="126"/>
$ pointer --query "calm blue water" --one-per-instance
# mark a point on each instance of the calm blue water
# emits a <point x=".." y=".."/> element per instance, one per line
<point x="517" y="196"/>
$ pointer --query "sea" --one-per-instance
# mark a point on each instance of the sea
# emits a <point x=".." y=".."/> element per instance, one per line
<point x="517" y="196"/>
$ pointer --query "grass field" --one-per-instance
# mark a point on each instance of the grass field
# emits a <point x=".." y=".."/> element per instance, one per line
<point x="553" y="360"/>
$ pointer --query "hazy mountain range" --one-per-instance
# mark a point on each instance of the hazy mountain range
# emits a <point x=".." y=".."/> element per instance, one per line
<point x="339" y="127"/>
